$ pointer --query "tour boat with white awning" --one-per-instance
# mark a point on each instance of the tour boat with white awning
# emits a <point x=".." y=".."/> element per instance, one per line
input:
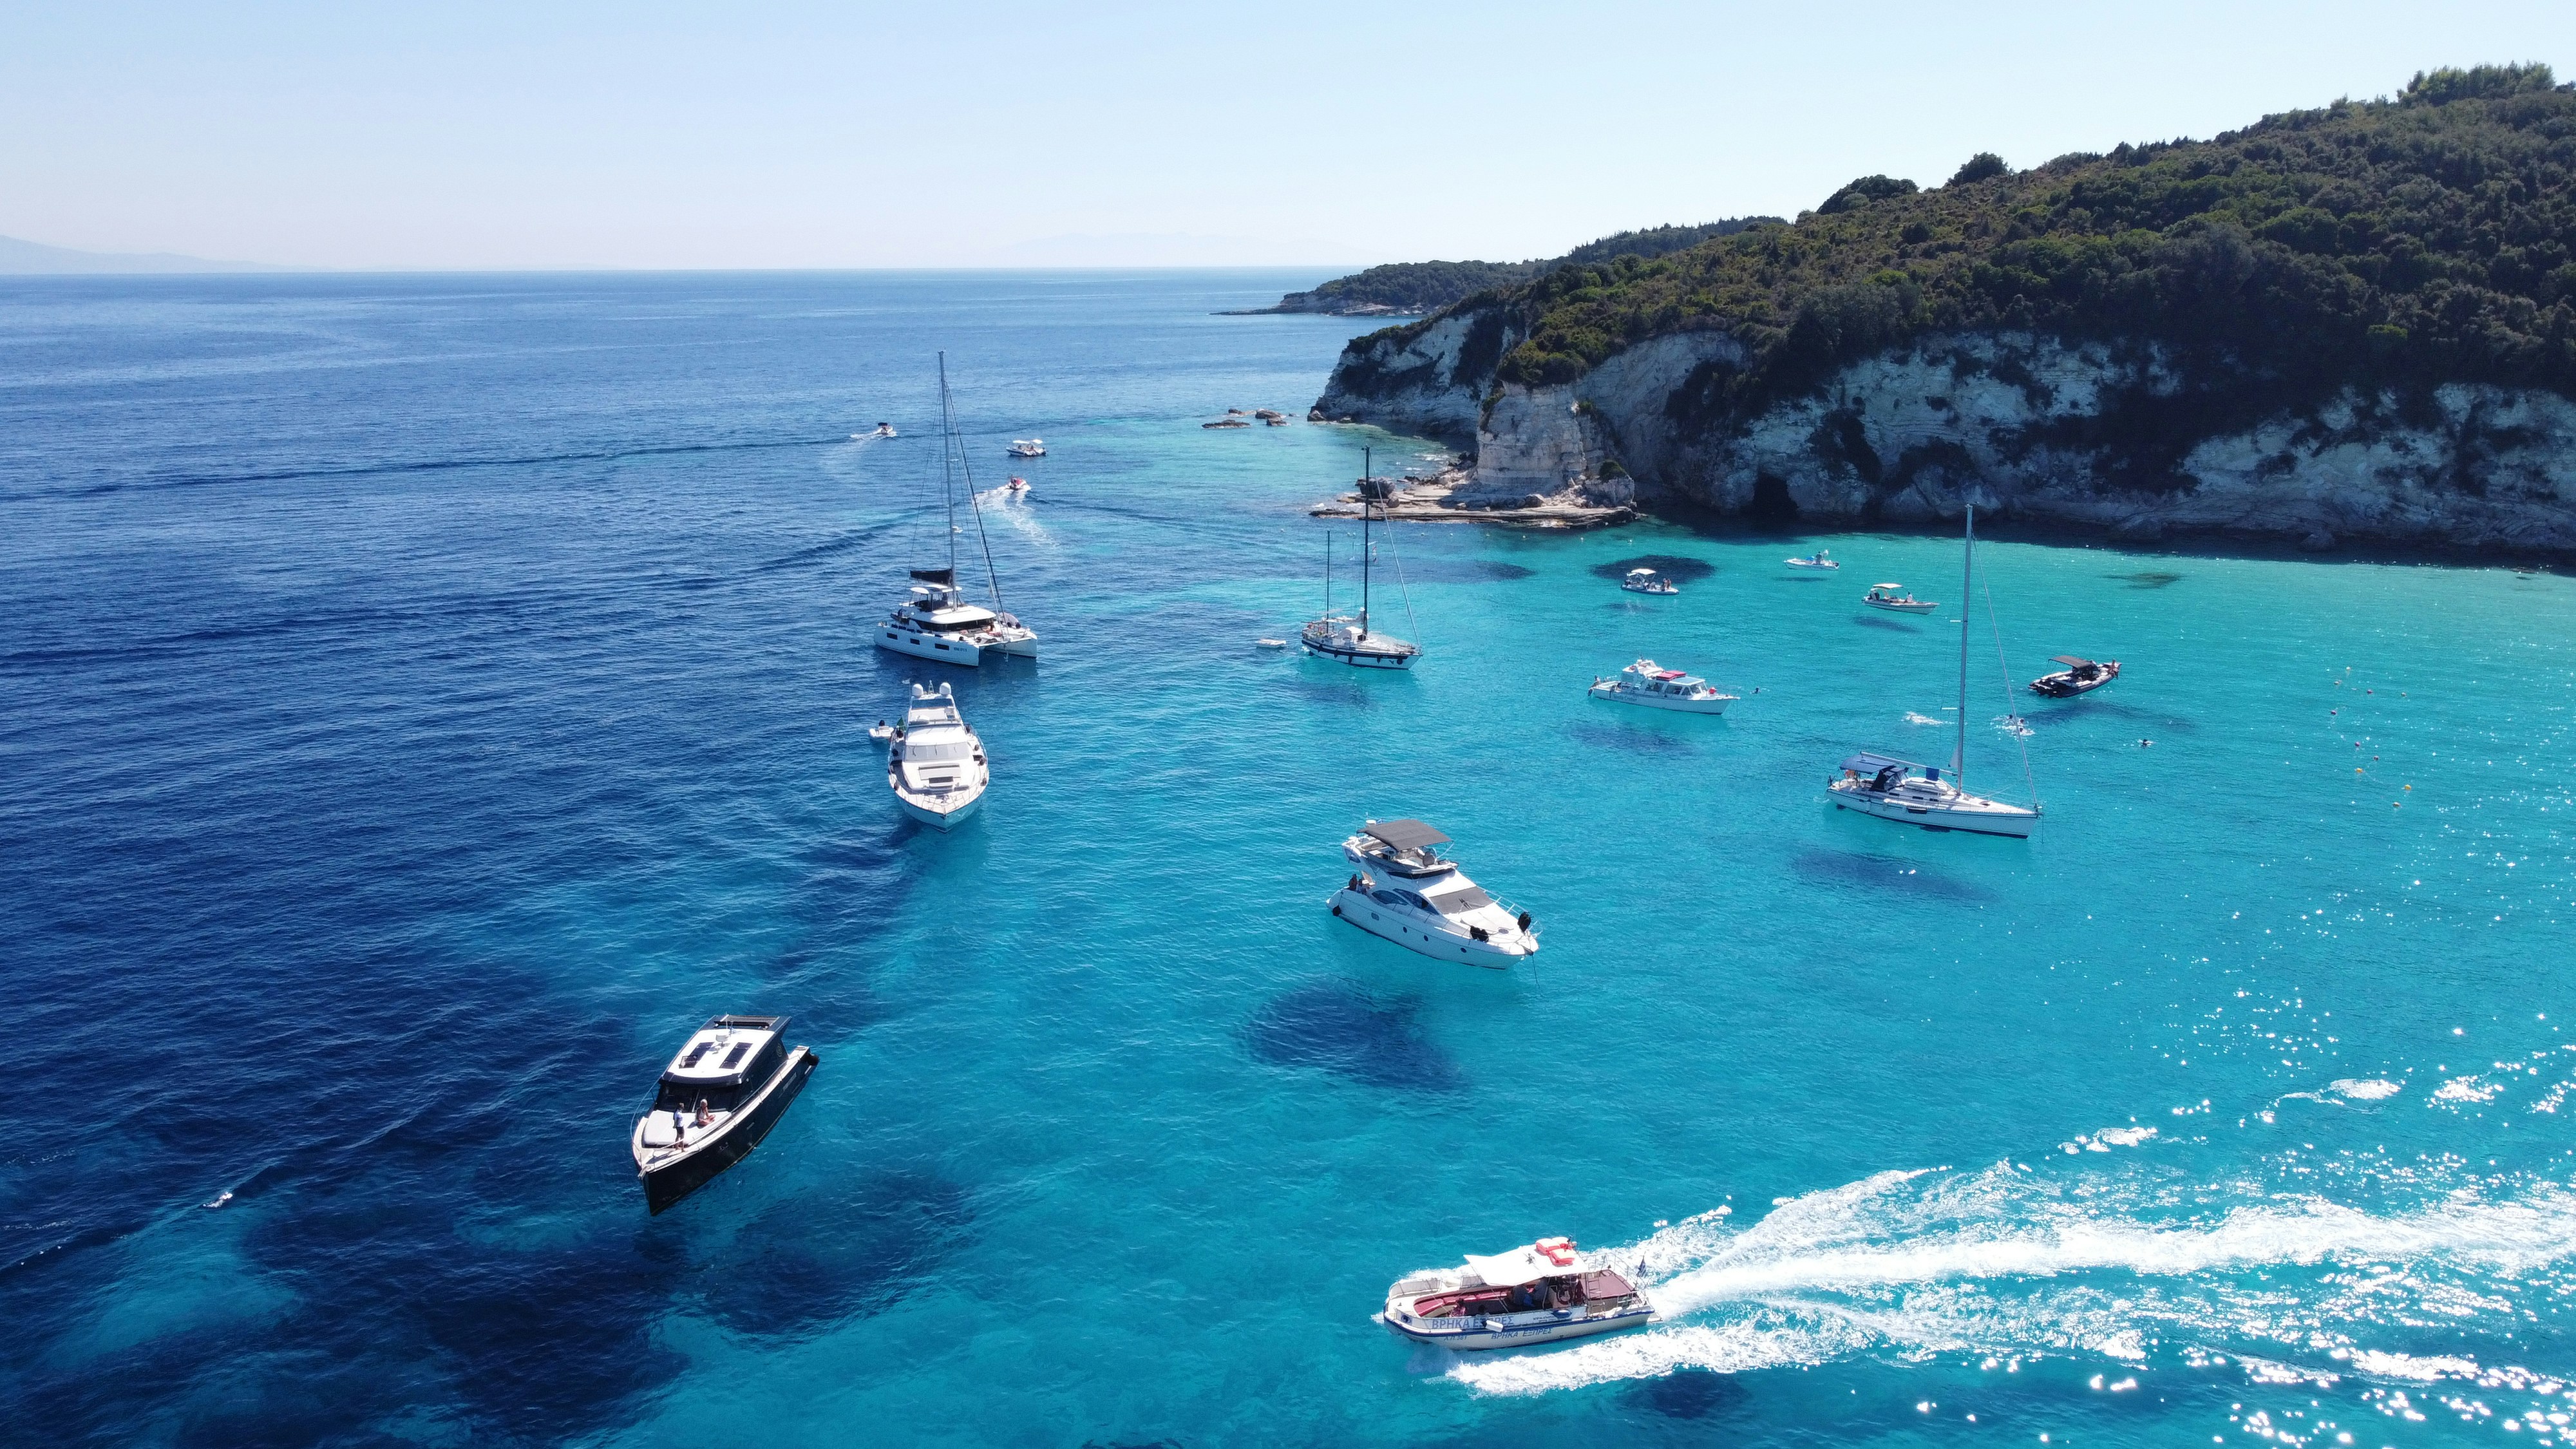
<point x="1647" y="683"/>
<point x="1541" y="1293"/>
<point x="1407" y="893"/>
<point x="1894" y="599"/>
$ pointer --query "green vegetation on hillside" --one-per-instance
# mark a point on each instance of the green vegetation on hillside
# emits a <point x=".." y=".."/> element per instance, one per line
<point x="2429" y="238"/>
<point x="1429" y="286"/>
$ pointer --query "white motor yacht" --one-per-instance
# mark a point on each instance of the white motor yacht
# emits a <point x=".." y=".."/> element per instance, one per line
<point x="1407" y="893"/>
<point x="1647" y="581"/>
<point x="1891" y="789"/>
<point x="1348" y="637"/>
<point x="728" y="1085"/>
<point x="1026" y="448"/>
<point x="935" y="764"/>
<point x="1537" y="1294"/>
<point x="1815" y="563"/>
<point x="1649" y="684"/>
<point x="937" y="622"/>
<point x="1895" y="599"/>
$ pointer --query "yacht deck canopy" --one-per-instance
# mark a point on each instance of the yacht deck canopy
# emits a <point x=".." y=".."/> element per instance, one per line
<point x="1520" y="1265"/>
<point x="1406" y="834"/>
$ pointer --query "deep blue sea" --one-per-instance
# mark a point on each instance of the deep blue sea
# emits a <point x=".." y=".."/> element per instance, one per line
<point x="423" y="700"/>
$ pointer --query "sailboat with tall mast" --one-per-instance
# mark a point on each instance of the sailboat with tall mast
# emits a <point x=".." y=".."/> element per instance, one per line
<point x="937" y="622"/>
<point x="1892" y="789"/>
<point x="1346" y="637"/>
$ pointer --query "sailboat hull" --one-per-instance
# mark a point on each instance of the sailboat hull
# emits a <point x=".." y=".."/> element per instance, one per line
<point x="1970" y="814"/>
<point x="922" y="646"/>
<point x="1364" y="658"/>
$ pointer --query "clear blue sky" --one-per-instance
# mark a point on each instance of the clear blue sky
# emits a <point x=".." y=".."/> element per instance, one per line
<point x="477" y="135"/>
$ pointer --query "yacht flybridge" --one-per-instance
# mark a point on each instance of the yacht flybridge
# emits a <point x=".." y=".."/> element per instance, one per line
<point x="1348" y="637"/>
<point x="937" y="622"/>
<point x="1405" y="892"/>
<point x="935" y="764"/>
<point x="730" y="1083"/>
<point x="1647" y="683"/>
<point x="1537" y="1294"/>
<point x="1891" y="789"/>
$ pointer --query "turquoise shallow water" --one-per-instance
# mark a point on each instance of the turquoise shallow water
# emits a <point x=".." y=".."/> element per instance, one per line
<point x="430" y="698"/>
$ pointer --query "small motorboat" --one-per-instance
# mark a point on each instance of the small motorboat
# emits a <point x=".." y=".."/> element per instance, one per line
<point x="1407" y="894"/>
<point x="1017" y="486"/>
<point x="1814" y="563"/>
<point x="1026" y="448"/>
<point x="1538" y="1294"/>
<point x="2080" y="676"/>
<point x="1895" y="599"/>
<point x="884" y="430"/>
<point x="1647" y="581"/>
<point x="1649" y="684"/>
<point x="935" y="764"/>
<point x="727" y="1087"/>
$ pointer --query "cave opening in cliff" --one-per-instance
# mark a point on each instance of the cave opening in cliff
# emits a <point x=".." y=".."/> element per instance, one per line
<point x="1771" y="501"/>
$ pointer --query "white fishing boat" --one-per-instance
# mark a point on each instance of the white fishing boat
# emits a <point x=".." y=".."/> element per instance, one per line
<point x="1815" y="563"/>
<point x="1026" y="448"/>
<point x="1912" y="794"/>
<point x="1896" y="600"/>
<point x="1650" y="684"/>
<point x="1647" y="581"/>
<point x="722" y="1093"/>
<point x="935" y="764"/>
<point x="937" y="622"/>
<point x="1405" y="892"/>
<point x="1348" y="637"/>
<point x="1537" y="1294"/>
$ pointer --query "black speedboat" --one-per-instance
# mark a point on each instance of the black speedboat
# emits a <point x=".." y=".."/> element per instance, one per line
<point x="2079" y="676"/>
<point x="727" y="1087"/>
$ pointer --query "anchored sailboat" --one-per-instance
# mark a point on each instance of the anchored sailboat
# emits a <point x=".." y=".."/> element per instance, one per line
<point x="1889" y="788"/>
<point x="1342" y="636"/>
<point x="937" y="622"/>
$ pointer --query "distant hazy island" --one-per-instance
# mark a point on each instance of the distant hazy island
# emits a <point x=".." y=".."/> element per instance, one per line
<point x="1409" y="289"/>
<point x="2354" y="322"/>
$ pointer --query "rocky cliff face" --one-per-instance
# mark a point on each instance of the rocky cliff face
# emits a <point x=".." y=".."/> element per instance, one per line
<point x="2125" y="440"/>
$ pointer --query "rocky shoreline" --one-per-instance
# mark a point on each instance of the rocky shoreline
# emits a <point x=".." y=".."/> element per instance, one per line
<point x="1455" y="495"/>
<point x="2120" y="442"/>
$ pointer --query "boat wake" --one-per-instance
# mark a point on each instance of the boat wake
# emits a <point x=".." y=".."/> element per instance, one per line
<point x="2015" y="1262"/>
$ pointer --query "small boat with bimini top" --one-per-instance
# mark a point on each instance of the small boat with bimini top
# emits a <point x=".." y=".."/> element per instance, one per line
<point x="1655" y="687"/>
<point x="1647" y="581"/>
<point x="2080" y="676"/>
<point x="1891" y="789"/>
<point x="1537" y="1294"/>
<point x="1815" y="563"/>
<point x="1026" y="448"/>
<point x="1895" y="599"/>
<point x="1406" y="893"/>
<point x="935" y="764"/>
<point x="722" y="1093"/>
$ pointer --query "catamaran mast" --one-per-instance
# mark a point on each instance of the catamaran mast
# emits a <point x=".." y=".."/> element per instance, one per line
<point x="1967" y="579"/>
<point x="1365" y="549"/>
<point x="947" y="481"/>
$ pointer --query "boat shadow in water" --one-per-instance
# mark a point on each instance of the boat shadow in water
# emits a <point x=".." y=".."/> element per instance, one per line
<point x="1878" y="621"/>
<point x="1675" y="567"/>
<point x="823" y="1257"/>
<point x="1630" y="738"/>
<point x="1694" y="1393"/>
<point x="1437" y="570"/>
<point x="1878" y="874"/>
<point x="1342" y="1028"/>
<point x="2069" y="710"/>
<point x="1341" y="692"/>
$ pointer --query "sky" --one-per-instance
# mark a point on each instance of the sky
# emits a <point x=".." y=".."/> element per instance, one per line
<point x="466" y="135"/>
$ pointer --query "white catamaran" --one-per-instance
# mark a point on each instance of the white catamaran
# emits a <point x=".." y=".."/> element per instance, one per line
<point x="1889" y="788"/>
<point x="937" y="622"/>
<point x="1343" y="636"/>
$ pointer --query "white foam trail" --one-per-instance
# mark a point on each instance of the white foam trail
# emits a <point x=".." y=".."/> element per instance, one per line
<point x="2010" y="1261"/>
